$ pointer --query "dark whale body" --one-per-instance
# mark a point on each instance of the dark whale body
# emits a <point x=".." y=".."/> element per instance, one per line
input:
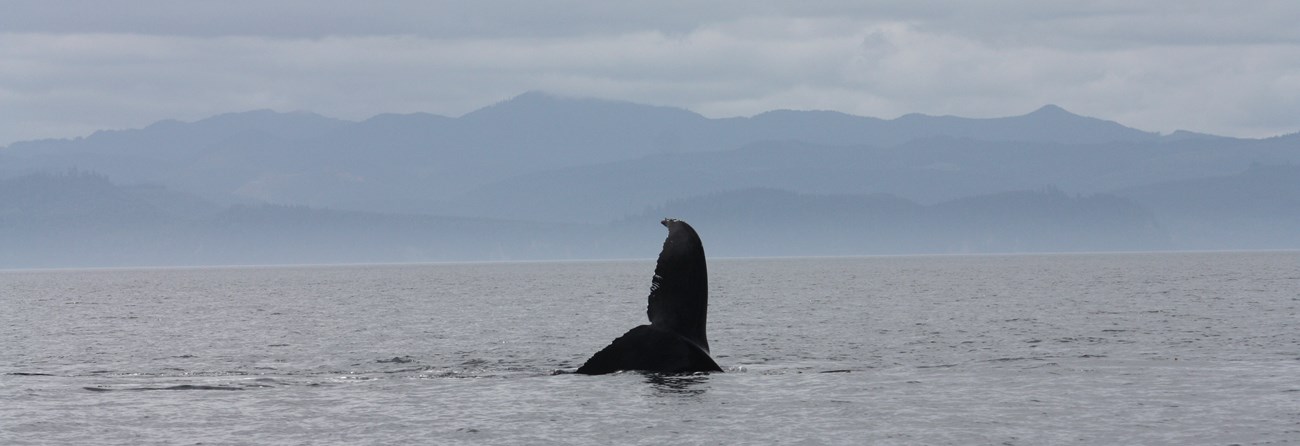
<point x="674" y="342"/>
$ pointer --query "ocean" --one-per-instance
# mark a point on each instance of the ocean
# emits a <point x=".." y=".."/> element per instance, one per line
<point x="1097" y="349"/>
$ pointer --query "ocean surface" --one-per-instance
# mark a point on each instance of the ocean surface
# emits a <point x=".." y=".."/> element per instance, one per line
<point x="1099" y="349"/>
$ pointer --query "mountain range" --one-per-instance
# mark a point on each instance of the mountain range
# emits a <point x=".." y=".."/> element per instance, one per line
<point x="541" y="177"/>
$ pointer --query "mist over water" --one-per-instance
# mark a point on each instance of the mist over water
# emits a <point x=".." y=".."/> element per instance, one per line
<point x="1177" y="348"/>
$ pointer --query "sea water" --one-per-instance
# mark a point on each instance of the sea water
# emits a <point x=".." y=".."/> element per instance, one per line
<point x="1165" y="348"/>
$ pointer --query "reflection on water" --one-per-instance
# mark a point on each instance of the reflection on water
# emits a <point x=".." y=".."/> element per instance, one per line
<point x="676" y="385"/>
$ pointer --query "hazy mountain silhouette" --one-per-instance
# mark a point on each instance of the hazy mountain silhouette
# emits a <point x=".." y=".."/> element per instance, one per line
<point x="1049" y="124"/>
<point x="82" y="219"/>
<point x="562" y="175"/>
<point x="926" y="170"/>
<point x="1258" y="208"/>
<point x="757" y="222"/>
<point x="412" y="163"/>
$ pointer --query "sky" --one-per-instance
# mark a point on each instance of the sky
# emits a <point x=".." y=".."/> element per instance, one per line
<point x="69" y="68"/>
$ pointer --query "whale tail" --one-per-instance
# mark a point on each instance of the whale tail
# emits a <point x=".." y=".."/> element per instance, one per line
<point x="674" y="342"/>
<point x="650" y="349"/>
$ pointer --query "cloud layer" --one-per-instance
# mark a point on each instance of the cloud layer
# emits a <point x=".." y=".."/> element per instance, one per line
<point x="1231" y="69"/>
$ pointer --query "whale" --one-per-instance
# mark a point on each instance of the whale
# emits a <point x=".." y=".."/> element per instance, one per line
<point x="674" y="341"/>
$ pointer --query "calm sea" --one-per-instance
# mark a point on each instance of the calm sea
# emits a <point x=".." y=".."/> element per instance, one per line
<point x="1104" y="349"/>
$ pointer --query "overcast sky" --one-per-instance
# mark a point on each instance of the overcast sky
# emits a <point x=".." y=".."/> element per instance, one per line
<point x="68" y="68"/>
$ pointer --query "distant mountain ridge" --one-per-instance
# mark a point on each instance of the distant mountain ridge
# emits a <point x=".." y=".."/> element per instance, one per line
<point x="538" y="162"/>
<point x="757" y="222"/>
<point x="304" y="158"/>
<point x="80" y="219"/>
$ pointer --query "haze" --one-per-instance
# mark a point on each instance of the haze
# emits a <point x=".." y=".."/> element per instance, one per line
<point x="180" y="133"/>
<point x="548" y="177"/>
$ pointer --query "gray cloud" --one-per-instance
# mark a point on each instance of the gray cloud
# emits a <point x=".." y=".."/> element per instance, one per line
<point x="68" y="68"/>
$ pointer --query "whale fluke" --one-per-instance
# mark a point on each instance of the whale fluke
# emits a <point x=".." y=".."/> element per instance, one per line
<point x="674" y="342"/>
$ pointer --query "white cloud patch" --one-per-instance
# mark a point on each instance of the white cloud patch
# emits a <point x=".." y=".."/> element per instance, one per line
<point x="1185" y="65"/>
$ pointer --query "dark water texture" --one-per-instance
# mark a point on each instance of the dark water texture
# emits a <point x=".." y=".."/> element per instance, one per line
<point x="1192" y="348"/>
